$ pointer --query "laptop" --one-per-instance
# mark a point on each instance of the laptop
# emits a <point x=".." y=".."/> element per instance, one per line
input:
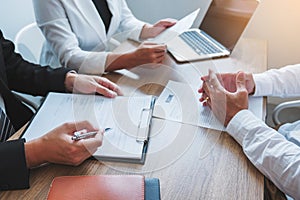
<point x="220" y="30"/>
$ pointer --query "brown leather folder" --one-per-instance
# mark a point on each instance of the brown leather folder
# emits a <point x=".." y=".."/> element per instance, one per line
<point x="100" y="187"/>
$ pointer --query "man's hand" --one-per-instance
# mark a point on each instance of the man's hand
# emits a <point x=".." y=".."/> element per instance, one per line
<point x="228" y="80"/>
<point x="224" y="104"/>
<point x="57" y="146"/>
<point x="87" y="84"/>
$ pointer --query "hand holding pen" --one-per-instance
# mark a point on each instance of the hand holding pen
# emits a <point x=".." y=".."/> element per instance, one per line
<point x="58" y="147"/>
<point x="78" y="135"/>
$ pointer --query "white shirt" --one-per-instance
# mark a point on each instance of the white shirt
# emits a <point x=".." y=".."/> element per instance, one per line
<point x="2" y="106"/>
<point x="271" y="152"/>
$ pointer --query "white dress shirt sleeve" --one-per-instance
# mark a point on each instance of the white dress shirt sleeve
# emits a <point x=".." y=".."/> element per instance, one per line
<point x="269" y="151"/>
<point x="283" y="82"/>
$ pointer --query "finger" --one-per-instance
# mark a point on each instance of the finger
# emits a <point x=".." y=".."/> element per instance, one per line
<point x="148" y="43"/>
<point x="204" y="97"/>
<point x="77" y="126"/>
<point x="156" y="47"/>
<point x="241" y="81"/>
<point x="111" y="85"/>
<point x="160" y="59"/>
<point x="214" y="81"/>
<point x="207" y="103"/>
<point x="106" y="92"/>
<point x="200" y="90"/>
<point x="219" y="77"/>
<point x="92" y="143"/>
<point x="206" y="88"/>
<point x="204" y="91"/>
<point x="166" y="22"/>
<point x="160" y="50"/>
<point x="204" y="78"/>
<point x="159" y="55"/>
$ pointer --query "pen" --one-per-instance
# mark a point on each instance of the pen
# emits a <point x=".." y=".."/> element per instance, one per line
<point x="78" y="136"/>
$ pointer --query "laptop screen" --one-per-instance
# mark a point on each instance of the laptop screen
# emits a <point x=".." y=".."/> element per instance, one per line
<point x="225" y="20"/>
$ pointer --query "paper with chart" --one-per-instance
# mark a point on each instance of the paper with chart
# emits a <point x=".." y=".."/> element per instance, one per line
<point x="180" y="102"/>
<point x="122" y="114"/>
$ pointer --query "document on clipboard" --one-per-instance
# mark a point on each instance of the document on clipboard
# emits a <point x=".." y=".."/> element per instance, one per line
<point x="128" y="117"/>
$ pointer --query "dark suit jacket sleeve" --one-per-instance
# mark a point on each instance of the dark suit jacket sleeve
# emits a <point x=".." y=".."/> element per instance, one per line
<point x="14" y="173"/>
<point x="29" y="78"/>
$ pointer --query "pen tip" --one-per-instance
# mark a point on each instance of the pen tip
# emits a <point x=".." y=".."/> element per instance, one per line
<point x="107" y="129"/>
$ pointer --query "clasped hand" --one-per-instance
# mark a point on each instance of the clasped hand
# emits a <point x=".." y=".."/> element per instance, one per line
<point x="226" y="94"/>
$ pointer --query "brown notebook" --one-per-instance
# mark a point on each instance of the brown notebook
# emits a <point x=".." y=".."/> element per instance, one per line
<point x="100" y="187"/>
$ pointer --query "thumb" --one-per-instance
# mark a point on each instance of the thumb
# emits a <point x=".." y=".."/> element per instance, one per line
<point x="240" y="81"/>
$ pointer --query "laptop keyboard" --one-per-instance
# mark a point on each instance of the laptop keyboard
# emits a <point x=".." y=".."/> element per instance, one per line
<point x="198" y="43"/>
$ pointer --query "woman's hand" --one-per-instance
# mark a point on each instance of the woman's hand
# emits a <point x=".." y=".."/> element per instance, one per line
<point x="150" y="31"/>
<point x="146" y="53"/>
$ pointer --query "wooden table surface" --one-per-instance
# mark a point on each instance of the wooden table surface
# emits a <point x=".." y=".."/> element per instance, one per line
<point x="198" y="163"/>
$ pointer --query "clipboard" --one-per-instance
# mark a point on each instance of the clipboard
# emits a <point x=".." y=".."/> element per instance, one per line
<point x="129" y="117"/>
<point x="142" y="136"/>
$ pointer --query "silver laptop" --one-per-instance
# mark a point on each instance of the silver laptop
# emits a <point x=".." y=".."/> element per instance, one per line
<point x="220" y="29"/>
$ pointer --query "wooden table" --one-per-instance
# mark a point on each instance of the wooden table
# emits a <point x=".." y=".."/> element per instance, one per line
<point x="198" y="163"/>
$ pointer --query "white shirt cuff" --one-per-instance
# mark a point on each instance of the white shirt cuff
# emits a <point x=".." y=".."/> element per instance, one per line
<point x="240" y="125"/>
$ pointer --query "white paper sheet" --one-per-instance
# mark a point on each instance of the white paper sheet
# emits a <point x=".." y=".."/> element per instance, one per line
<point x="180" y="102"/>
<point x="181" y="26"/>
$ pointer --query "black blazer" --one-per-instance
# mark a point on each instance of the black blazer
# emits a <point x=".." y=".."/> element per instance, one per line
<point x="20" y="75"/>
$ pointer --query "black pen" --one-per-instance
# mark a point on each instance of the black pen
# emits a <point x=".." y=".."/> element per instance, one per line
<point x="77" y="136"/>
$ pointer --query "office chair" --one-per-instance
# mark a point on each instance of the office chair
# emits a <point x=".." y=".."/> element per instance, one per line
<point x="32" y="102"/>
<point x="282" y="106"/>
<point x="29" y="42"/>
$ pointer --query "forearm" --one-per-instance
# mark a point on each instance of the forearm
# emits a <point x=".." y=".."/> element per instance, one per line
<point x="34" y="154"/>
<point x="147" y="32"/>
<point x="13" y="170"/>
<point x="27" y="77"/>
<point x="119" y="61"/>
<point x="37" y="80"/>
<point x="269" y="151"/>
<point x="70" y="80"/>
<point x="283" y="82"/>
